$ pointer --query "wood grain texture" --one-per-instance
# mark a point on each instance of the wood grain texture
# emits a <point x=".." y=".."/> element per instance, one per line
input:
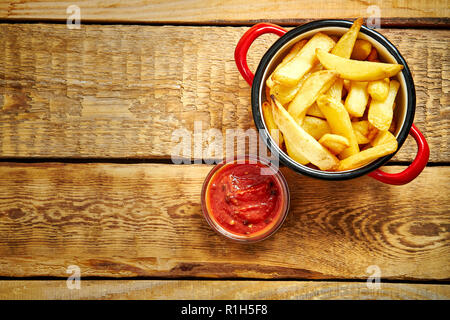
<point x="397" y="12"/>
<point x="121" y="91"/>
<point x="120" y="220"/>
<point x="217" y="290"/>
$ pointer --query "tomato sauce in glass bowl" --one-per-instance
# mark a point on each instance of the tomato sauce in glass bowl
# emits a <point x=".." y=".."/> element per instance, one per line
<point x="245" y="199"/>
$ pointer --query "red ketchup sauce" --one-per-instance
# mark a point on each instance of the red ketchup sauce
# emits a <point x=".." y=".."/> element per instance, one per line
<point x="242" y="200"/>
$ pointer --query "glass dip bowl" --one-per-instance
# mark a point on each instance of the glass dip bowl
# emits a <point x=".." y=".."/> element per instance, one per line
<point x="245" y="199"/>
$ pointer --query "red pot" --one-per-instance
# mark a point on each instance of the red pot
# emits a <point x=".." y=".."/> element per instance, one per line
<point x="404" y="113"/>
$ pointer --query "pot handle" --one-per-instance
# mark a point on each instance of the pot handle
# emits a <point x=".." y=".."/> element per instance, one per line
<point x="414" y="169"/>
<point x="240" y="53"/>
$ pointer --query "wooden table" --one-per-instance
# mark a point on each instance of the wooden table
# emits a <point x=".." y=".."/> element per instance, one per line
<point x="86" y="123"/>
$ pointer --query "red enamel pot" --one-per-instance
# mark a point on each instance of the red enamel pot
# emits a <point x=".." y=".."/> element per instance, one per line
<point x="405" y="102"/>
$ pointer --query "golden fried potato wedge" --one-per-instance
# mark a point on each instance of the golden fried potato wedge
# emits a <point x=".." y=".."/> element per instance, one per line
<point x="294" y="151"/>
<point x="315" y="111"/>
<point x="361" y="130"/>
<point x="381" y="112"/>
<point x="361" y="139"/>
<point x="379" y="89"/>
<point x="344" y="46"/>
<point x="387" y="146"/>
<point x="357" y="70"/>
<point x="357" y="98"/>
<point x="318" y="83"/>
<point x="316" y="127"/>
<point x="285" y="94"/>
<point x="291" y="54"/>
<point x="366" y="156"/>
<point x="339" y="122"/>
<point x="291" y="73"/>
<point x="292" y="148"/>
<point x="336" y="89"/>
<point x="270" y="123"/>
<point x="383" y="137"/>
<point x="335" y="143"/>
<point x="361" y="50"/>
<point x="305" y="145"/>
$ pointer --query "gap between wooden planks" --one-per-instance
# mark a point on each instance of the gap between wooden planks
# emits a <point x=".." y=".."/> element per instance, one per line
<point x="434" y="12"/>
<point x="216" y="290"/>
<point x="121" y="91"/>
<point x="116" y="220"/>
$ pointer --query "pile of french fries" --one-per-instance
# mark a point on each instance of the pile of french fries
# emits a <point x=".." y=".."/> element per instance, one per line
<point x="330" y="102"/>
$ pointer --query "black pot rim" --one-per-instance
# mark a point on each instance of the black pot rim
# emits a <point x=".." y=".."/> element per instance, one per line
<point x="286" y="160"/>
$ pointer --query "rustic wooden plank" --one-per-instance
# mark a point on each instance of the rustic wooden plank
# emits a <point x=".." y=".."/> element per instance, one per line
<point x="121" y="220"/>
<point x="121" y="91"/>
<point x="228" y="12"/>
<point x="217" y="290"/>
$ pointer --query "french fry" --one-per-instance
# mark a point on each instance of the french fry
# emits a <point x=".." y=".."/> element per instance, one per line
<point x="270" y="123"/>
<point x="361" y="130"/>
<point x="357" y="70"/>
<point x="305" y="145"/>
<point x="315" y="111"/>
<point x="383" y="137"/>
<point x="361" y="50"/>
<point x="379" y="89"/>
<point x="335" y="143"/>
<point x="336" y="89"/>
<point x="316" y="127"/>
<point x="381" y="112"/>
<point x="388" y="146"/>
<point x="285" y="94"/>
<point x="366" y="156"/>
<point x="373" y="55"/>
<point x="339" y="122"/>
<point x="291" y="54"/>
<point x="360" y="138"/>
<point x="290" y="73"/>
<point x="318" y="83"/>
<point x="361" y="126"/>
<point x="293" y="150"/>
<point x="357" y="98"/>
<point x="291" y="147"/>
<point x="344" y="46"/>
